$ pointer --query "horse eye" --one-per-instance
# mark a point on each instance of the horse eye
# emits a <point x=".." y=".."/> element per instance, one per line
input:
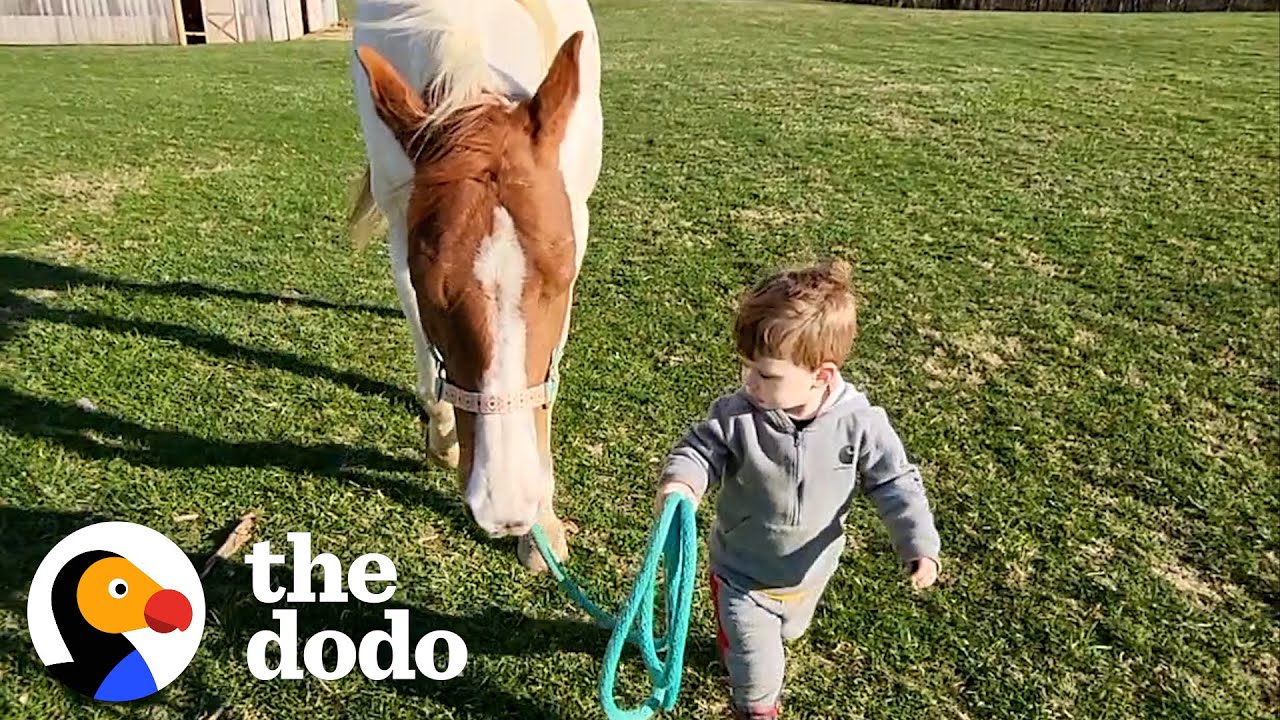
<point x="118" y="588"/>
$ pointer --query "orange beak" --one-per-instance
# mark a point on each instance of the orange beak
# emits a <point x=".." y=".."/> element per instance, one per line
<point x="168" y="610"/>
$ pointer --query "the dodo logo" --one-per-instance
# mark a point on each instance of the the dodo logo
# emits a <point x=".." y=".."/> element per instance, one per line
<point x="116" y="611"/>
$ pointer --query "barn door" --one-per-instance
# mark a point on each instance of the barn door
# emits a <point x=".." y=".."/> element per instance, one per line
<point x="223" y="21"/>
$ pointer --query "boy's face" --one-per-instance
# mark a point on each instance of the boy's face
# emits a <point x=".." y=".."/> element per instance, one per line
<point x="781" y="384"/>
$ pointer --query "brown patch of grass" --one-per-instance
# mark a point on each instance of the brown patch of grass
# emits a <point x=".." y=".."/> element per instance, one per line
<point x="990" y="348"/>
<point x="1017" y="573"/>
<point x="1039" y="263"/>
<point x="1266" y="669"/>
<point x="1187" y="580"/>
<point x="772" y="217"/>
<point x="710" y="705"/>
<point x="943" y="372"/>
<point x="897" y="86"/>
<point x="970" y="358"/>
<point x="39" y="294"/>
<point x="844" y="658"/>
<point x="1225" y="358"/>
<point x="95" y="193"/>
<point x="195" y="173"/>
<point x="1084" y="338"/>
<point x="70" y="247"/>
<point x="1223" y="434"/>
<point x="1098" y="553"/>
<point x="898" y="120"/>
<point x="1191" y="584"/>
<point x="1101" y="496"/>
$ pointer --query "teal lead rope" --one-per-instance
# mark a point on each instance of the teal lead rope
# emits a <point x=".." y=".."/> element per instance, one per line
<point x="674" y="542"/>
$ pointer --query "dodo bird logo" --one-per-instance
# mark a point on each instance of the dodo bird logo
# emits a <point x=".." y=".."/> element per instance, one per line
<point x="116" y="611"/>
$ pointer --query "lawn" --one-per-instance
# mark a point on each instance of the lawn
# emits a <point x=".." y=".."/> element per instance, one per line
<point x="1066" y="230"/>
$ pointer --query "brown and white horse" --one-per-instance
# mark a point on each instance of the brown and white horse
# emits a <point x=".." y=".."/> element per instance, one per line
<point x="483" y="130"/>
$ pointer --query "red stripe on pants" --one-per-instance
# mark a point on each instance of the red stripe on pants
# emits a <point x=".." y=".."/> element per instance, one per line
<point x="722" y="640"/>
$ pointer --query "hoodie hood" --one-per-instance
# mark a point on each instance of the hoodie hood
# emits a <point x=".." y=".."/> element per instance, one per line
<point x="842" y="398"/>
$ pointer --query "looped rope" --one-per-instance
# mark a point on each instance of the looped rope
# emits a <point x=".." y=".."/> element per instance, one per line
<point x="674" y="542"/>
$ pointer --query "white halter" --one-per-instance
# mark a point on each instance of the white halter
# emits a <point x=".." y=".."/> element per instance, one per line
<point x="492" y="403"/>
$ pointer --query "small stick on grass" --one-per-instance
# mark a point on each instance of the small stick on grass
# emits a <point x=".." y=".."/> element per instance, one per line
<point x="236" y="540"/>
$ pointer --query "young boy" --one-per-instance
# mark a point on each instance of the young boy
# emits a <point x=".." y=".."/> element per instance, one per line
<point x="788" y="450"/>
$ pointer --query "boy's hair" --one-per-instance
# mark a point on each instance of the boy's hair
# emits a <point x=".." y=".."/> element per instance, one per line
<point x="806" y="315"/>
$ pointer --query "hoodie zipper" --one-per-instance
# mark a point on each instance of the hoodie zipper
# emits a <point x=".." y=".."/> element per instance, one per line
<point x="793" y="518"/>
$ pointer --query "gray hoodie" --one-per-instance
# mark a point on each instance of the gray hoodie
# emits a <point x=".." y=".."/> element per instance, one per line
<point x="785" y="492"/>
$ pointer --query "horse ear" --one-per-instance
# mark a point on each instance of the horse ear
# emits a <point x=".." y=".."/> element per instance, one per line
<point x="553" y="103"/>
<point x="399" y="106"/>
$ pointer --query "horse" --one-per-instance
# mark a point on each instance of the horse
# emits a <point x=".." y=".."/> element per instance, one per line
<point x="482" y="127"/>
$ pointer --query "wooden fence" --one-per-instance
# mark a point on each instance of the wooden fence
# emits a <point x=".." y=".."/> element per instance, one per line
<point x="134" y="22"/>
<point x="87" y="21"/>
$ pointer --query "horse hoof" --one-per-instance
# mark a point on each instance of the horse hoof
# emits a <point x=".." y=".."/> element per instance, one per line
<point x="437" y="453"/>
<point x="528" y="553"/>
<point x="447" y="460"/>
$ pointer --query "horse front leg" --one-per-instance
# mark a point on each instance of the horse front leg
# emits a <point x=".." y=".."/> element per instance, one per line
<point x="440" y="429"/>
<point x="557" y="538"/>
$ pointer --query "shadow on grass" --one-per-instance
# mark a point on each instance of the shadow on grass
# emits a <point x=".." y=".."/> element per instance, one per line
<point x="19" y="273"/>
<point x="100" y="435"/>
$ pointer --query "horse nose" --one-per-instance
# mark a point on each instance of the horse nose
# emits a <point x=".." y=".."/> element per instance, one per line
<point x="507" y="528"/>
<point x="516" y="528"/>
<point x="500" y="519"/>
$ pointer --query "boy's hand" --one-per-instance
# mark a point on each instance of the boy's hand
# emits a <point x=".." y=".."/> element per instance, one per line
<point x="668" y="487"/>
<point x="924" y="573"/>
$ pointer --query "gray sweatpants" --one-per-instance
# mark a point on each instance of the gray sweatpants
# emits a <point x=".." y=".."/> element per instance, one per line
<point x="752" y="625"/>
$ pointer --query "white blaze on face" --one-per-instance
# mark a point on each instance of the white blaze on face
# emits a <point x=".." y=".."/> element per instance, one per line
<point x="508" y="476"/>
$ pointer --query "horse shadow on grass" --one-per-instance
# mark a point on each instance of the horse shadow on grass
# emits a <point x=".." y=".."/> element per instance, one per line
<point x="101" y="435"/>
<point x="18" y="273"/>
<point x="234" y="615"/>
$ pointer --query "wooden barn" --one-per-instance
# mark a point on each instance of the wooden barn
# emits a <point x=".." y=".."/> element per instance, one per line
<point x="161" y="22"/>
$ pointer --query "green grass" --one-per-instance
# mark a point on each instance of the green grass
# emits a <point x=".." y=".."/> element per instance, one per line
<point x="1065" y="230"/>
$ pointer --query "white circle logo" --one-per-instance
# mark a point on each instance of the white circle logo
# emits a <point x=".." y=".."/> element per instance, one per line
<point x="116" y="611"/>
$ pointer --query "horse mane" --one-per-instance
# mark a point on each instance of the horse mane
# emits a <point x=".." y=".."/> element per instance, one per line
<point x="460" y="93"/>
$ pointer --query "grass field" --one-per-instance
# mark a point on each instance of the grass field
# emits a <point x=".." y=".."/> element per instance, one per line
<point x="1065" y="230"/>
